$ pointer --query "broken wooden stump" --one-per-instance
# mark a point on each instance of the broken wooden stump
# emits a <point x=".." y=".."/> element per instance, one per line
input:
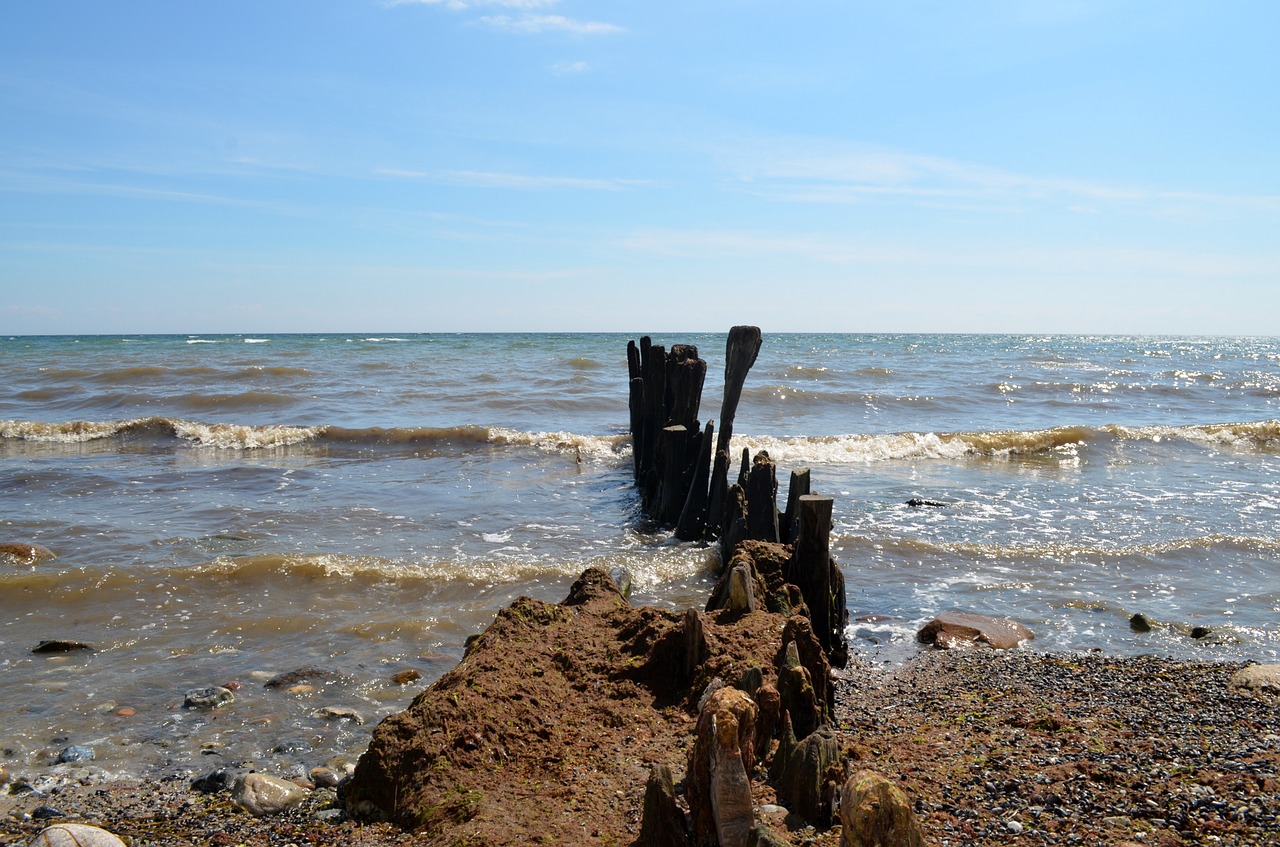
<point x="818" y="576"/>
<point x="875" y="812"/>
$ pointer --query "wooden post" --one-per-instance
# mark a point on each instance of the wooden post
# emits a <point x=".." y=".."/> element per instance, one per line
<point x="693" y="518"/>
<point x="740" y="354"/>
<point x="798" y="487"/>
<point x="762" y="500"/>
<point x="673" y="460"/>
<point x="811" y="568"/>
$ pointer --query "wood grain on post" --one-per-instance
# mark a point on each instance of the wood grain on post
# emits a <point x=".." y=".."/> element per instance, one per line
<point x="741" y="350"/>
<point x="811" y="564"/>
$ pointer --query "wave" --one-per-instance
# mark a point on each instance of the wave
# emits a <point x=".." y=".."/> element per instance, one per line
<point x="918" y="547"/>
<point x="1258" y="436"/>
<point x="794" y="451"/>
<point x="248" y="437"/>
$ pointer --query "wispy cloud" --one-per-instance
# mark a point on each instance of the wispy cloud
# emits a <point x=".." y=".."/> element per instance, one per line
<point x="523" y="182"/>
<point x="862" y="175"/>
<point x="548" y="23"/>
<point x="567" y="68"/>
<point x="1027" y="260"/>
<point x="474" y="4"/>
<point x="528" y="22"/>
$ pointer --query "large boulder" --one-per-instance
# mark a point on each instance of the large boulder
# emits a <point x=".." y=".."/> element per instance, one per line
<point x="950" y="630"/>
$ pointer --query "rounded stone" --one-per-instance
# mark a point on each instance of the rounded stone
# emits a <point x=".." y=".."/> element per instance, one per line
<point x="208" y="698"/>
<point x="75" y="835"/>
<point x="76" y="753"/>
<point x="260" y="795"/>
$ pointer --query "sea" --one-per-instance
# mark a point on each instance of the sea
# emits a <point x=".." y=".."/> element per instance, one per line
<point x="227" y="508"/>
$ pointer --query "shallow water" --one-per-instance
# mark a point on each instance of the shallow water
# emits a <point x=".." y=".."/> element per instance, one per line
<point x="226" y="508"/>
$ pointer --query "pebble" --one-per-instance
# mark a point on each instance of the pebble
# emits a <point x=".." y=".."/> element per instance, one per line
<point x="76" y="753"/>
<point x="325" y="777"/>
<point x="208" y="698"/>
<point x="292" y="745"/>
<point x="1013" y="826"/>
<point x="406" y="677"/>
<point x="339" y="713"/>
<point x="44" y="813"/>
<point x="260" y="795"/>
<point x="75" y="835"/>
<point x="215" y="782"/>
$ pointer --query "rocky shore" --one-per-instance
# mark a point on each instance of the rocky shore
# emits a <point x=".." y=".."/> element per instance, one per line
<point x="548" y="731"/>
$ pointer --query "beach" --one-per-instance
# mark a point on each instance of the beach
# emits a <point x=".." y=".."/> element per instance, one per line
<point x="344" y="512"/>
<point x="992" y="748"/>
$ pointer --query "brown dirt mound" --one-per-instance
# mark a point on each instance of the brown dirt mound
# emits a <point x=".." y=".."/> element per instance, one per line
<point x="548" y="728"/>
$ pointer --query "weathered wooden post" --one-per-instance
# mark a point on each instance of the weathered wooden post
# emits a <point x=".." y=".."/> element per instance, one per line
<point x="818" y="577"/>
<point x="693" y="517"/>
<point x="740" y="354"/>
<point x="798" y="487"/>
<point x="762" y="500"/>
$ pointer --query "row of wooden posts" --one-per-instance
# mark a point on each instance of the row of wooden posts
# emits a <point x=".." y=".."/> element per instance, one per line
<point x="682" y="471"/>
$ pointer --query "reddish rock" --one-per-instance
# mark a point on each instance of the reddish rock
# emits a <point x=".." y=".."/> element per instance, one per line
<point x="951" y="630"/>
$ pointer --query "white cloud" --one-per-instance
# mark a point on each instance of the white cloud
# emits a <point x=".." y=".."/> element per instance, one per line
<point x="566" y="68"/>
<point x="850" y="175"/>
<point x="548" y="23"/>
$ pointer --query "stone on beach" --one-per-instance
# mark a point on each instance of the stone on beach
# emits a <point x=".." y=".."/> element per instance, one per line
<point x="56" y="645"/>
<point x="210" y="697"/>
<point x="961" y="629"/>
<point x="75" y="835"/>
<point x="260" y="794"/>
<point x="22" y="553"/>
<point x="339" y="713"/>
<point x="215" y="782"/>
<point x="76" y="753"/>
<point x="1258" y="680"/>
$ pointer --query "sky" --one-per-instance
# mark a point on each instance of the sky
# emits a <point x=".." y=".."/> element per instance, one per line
<point x="1047" y="166"/>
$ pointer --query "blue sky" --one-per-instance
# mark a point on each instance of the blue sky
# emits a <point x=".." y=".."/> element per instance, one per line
<point x="534" y="165"/>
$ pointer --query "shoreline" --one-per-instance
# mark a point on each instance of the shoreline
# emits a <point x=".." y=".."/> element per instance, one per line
<point x="1052" y="748"/>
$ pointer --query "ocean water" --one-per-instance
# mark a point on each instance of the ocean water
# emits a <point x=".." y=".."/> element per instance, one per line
<point x="226" y="508"/>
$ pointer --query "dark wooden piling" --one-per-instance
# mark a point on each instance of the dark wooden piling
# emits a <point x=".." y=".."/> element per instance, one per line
<point x="665" y="395"/>
<point x="762" y="500"/>
<point x="818" y="577"/>
<point x="693" y="517"/>
<point x="740" y="354"/>
<point x="798" y="487"/>
<point x="684" y="482"/>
